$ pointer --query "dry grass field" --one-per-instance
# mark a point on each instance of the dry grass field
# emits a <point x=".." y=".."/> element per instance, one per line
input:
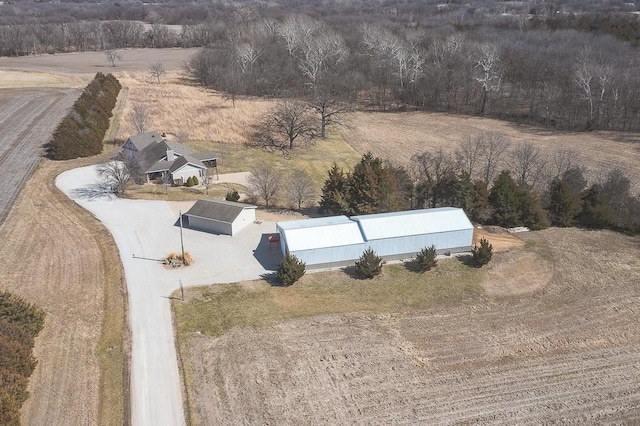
<point x="177" y="106"/>
<point x="556" y="342"/>
<point x="398" y="136"/>
<point x="58" y="256"/>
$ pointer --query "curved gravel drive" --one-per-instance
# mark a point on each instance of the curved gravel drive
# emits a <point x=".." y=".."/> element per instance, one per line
<point x="145" y="232"/>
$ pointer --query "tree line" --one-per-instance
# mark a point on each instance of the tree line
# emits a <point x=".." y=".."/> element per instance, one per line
<point x="81" y="132"/>
<point x="493" y="185"/>
<point x="560" y="78"/>
<point x="20" y="323"/>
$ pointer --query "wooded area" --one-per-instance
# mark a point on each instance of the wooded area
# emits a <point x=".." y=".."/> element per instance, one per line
<point x="566" y="64"/>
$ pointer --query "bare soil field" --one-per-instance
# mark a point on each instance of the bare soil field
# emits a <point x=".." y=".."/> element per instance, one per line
<point x="93" y="62"/>
<point x="58" y="256"/>
<point x="399" y="136"/>
<point x="563" y="350"/>
<point x="27" y="119"/>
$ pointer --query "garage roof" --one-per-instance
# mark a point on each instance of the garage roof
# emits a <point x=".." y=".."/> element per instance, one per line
<point x="323" y="232"/>
<point x="412" y="222"/>
<point x="219" y="210"/>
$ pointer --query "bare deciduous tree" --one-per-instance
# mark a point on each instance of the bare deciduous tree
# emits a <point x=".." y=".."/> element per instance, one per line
<point x="157" y="70"/>
<point x="265" y="182"/>
<point x="300" y="188"/>
<point x="207" y="180"/>
<point x="331" y="110"/>
<point x="115" y="176"/>
<point x="489" y="75"/>
<point x="140" y="118"/>
<point x="527" y="163"/>
<point x="287" y="123"/>
<point x="495" y="145"/>
<point x="469" y="155"/>
<point x="113" y="56"/>
<point x="561" y="161"/>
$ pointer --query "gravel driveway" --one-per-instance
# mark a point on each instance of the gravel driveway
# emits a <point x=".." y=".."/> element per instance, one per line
<point x="145" y="232"/>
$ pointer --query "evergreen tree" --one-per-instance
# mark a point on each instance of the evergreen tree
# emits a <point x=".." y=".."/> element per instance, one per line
<point x="506" y="201"/>
<point x="564" y="205"/>
<point x="232" y="196"/>
<point x="596" y="212"/>
<point x="426" y="258"/>
<point x="365" y="182"/>
<point x="369" y="265"/>
<point x="482" y="253"/>
<point x="291" y="270"/>
<point x="335" y="192"/>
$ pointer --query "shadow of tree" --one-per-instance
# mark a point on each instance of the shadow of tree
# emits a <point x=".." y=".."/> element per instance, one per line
<point x="467" y="260"/>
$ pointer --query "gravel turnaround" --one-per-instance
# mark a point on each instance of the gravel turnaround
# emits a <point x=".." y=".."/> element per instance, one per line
<point x="146" y="232"/>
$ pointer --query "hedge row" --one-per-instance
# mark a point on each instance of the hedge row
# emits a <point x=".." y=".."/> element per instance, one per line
<point x="81" y="132"/>
<point x="20" y="323"/>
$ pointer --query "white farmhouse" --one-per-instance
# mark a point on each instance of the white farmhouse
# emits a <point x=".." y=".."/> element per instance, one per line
<point x="166" y="161"/>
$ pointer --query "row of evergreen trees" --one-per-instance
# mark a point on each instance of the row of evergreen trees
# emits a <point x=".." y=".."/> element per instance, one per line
<point x="81" y="132"/>
<point x="20" y="323"/>
<point x="375" y="187"/>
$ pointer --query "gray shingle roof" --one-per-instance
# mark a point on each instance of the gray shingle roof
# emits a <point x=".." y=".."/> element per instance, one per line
<point x="152" y="152"/>
<point x="218" y="209"/>
<point x="143" y="140"/>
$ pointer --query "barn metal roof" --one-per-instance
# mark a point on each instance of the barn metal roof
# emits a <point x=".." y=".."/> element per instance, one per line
<point x="218" y="210"/>
<point x="323" y="232"/>
<point x="412" y="222"/>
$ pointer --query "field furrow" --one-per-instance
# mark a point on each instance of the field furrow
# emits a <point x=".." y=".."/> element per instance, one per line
<point x="27" y="122"/>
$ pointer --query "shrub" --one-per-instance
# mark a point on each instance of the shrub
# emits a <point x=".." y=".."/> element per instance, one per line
<point x="369" y="265"/>
<point x="232" y="196"/>
<point x="426" y="258"/>
<point x="176" y="259"/>
<point x="81" y="132"/>
<point x="291" y="270"/>
<point x="20" y="322"/>
<point x="483" y="253"/>
<point x="190" y="181"/>
<point x="195" y="181"/>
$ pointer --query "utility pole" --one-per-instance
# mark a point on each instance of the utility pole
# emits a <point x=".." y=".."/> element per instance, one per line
<point x="181" y="240"/>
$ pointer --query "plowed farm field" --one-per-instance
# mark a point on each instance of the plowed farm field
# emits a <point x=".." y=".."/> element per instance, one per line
<point x="398" y="136"/>
<point x="27" y="119"/>
<point x="564" y="350"/>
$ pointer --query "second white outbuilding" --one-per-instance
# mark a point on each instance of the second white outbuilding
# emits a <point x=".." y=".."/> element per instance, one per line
<point x="340" y="241"/>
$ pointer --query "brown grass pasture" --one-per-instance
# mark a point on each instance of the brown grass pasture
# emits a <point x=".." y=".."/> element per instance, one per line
<point x="398" y="136"/>
<point x="459" y="345"/>
<point x="177" y="106"/>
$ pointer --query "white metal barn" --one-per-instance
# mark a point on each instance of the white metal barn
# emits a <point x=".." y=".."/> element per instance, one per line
<point x="339" y="240"/>
<point x="322" y="242"/>
<point x="220" y="216"/>
<point x="400" y="235"/>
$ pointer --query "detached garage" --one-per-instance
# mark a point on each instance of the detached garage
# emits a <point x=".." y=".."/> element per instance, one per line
<point x="220" y="216"/>
<point x="322" y="242"/>
<point x="400" y="235"/>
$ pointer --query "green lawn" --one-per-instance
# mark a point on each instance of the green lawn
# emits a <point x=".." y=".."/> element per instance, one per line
<point x="214" y="310"/>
